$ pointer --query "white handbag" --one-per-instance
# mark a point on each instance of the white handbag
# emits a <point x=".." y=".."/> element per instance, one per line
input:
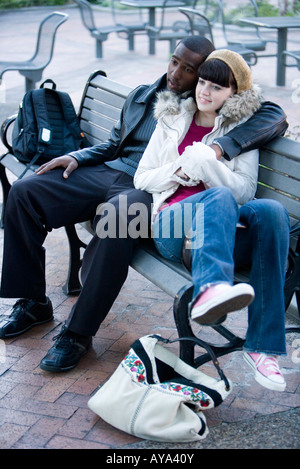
<point x="153" y="394"/>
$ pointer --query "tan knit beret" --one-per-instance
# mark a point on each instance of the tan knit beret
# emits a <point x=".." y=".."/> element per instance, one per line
<point x="241" y="71"/>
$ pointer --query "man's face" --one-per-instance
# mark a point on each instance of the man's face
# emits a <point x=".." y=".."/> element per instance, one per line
<point x="182" y="70"/>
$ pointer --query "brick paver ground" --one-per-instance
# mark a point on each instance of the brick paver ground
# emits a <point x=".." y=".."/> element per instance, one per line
<point x="39" y="409"/>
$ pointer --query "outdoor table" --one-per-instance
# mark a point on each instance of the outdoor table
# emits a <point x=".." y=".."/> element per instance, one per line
<point x="151" y="5"/>
<point x="282" y="24"/>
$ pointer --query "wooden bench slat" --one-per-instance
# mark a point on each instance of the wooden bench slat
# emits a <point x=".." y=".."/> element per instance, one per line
<point x="97" y="119"/>
<point x="280" y="182"/>
<point x="285" y="147"/>
<point x="102" y="109"/>
<point x="13" y="165"/>
<point x="93" y="133"/>
<point x="106" y="97"/>
<point x="280" y="163"/>
<point x="292" y="205"/>
<point x="105" y="83"/>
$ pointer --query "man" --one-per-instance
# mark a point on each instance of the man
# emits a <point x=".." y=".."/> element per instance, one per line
<point x="67" y="195"/>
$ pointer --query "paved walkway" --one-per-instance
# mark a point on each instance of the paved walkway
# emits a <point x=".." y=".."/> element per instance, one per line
<point x="43" y="410"/>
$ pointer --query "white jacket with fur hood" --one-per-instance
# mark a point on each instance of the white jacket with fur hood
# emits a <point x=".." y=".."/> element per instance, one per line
<point x="160" y="161"/>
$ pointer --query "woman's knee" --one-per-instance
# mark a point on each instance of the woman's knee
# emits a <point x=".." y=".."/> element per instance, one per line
<point x="222" y="199"/>
<point x="267" y="213"/>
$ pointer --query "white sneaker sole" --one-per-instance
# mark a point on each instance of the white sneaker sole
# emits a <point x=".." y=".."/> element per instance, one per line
<point x="263" y="380"/>
<point x="237" y="297"/>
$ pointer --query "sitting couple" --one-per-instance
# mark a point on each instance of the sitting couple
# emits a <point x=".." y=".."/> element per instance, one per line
<point x="69" y="189"/>
<point x="179" y="168"/>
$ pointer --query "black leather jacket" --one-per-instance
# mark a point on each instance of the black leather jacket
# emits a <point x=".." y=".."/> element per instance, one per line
<point x="267" y="123"/>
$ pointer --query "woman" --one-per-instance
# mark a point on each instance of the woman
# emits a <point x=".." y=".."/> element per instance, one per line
<point x="194" y="191"/>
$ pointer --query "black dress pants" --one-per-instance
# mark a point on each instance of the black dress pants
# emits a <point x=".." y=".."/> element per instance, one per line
<point x="37" y="204"/>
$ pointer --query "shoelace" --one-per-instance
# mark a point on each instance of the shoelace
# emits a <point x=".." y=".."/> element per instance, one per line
<point x="18" y="306"/>
<point x="270" y="363"/>
<point x="63" y="340"/>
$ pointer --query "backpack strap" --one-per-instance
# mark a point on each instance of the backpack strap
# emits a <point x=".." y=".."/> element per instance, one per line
<point x="202" y="344"/>
<point x="67" y="107"/>
<point x="49" y="81"/>
<point x="70" y="115"/>
<point x="41" y="116"/>
<point x="43" y="126"/>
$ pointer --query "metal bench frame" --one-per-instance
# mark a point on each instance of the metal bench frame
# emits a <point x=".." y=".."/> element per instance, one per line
<point x="101" y="33"/>
<point x="253" y="41"/>
<point x="200" y="24"/>
<point x="294" y="54"/>
<point x="168" y="31"/>
<point x="100" y="109"/>
<point x="133" y="28"/>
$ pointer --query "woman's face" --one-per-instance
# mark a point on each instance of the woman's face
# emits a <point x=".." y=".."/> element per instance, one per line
<point x="210" y="97"/>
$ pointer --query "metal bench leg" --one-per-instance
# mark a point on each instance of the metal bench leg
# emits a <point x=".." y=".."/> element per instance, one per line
<point x="99" y="49"/>
<point x="292" y="281"/>
<point x="29" y="84"/>
<point x="173" y="43"/>
<point x="72" y="285"/>
<point x="180" y="312"/>
<point x="187" y="349"/>
<point x="5" y="190"/>
<point x="130" y="40"/>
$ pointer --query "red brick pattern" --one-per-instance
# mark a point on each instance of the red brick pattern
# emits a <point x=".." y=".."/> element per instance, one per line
<point x="39" y="409"/>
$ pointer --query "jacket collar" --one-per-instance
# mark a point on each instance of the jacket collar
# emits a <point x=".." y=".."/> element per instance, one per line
<point x="160" y="86"/>
<point x="235" y="109"/>
<point x="147" y="95"/>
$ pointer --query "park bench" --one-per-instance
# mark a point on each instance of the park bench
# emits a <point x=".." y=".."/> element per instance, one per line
<point x="100" y="108"/>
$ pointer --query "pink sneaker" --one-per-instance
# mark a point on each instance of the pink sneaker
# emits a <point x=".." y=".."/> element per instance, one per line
<point x="267" y="372"/>
<point x="219" y="300"/>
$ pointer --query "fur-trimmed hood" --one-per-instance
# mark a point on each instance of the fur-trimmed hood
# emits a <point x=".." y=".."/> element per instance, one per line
<point x="235" y="109"/>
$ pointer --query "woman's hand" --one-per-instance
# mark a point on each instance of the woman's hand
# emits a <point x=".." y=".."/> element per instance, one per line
<point x="65" y="161"/>
<point x="181" y="174"/>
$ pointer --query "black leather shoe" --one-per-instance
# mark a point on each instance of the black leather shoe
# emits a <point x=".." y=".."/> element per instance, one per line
<point x="66" y="352"/>
<point x="25" y="314"/>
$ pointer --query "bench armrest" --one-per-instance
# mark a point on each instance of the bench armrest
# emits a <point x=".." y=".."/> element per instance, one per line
<point x="295" y="230"/>
<point x="4" y="131"/>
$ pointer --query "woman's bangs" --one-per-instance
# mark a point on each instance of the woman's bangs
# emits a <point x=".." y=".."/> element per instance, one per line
<point x="217" y="72"/>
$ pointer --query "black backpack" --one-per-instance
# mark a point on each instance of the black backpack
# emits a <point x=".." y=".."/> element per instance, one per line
<point x="46" y="126"/>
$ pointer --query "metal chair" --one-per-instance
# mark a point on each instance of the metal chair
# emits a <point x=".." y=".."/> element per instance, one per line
<point x="33" y="68"/>
<point x="99" y="33"/>
<point x="169" y="29"/>
<point x="131" y="28"/>
<point x="255" y="42"/>
<point x="200" y="24"/>
<point x="294" y="54"/>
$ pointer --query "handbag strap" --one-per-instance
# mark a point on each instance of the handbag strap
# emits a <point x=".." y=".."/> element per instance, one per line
<point x="204" y="345"/>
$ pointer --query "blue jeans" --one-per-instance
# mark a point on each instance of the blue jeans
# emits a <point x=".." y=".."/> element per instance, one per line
<point x="218" y="246"/>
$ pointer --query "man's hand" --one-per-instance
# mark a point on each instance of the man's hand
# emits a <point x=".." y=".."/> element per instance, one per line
<point x="217" y="149"/>
<point x="181" y="174"/>
<point x="65" y="161"/>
